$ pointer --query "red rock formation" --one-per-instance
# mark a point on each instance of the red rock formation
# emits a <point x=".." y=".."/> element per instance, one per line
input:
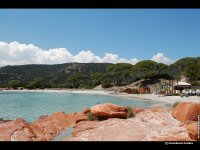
<point x="48" y="127"/>
<point x="130" y="91"/>
<point x="43" y="129"/>
<point x="109" y="110"/>
<point x="144" y="90"/>
<point x="3" y="121"/>
<point x="137" y="110"/>
<point x="85" y="111"/>
<point x="16" y="130"/>
<point x="155" y="124"/>
<point x="193" y="130"/>
<point x="186" y="111"/>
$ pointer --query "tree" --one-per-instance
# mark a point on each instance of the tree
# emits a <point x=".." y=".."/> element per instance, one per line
<point x="74" y="80"/>
<point x="36" y="83"/>
<point x="96" y="78"/>
<point x="14" y="83"/>
<point x="106" y="83"/>
<point x="149" y="69"/>
<point x="192" y="72"/>
<point x="54" y="82"/>
<point x="120" y="73"/>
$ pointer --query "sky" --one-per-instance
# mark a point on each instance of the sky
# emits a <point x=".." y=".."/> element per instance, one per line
<point x="51" y="36"/>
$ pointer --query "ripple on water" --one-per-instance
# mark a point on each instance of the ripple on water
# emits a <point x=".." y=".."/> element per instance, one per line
<point x="31" y="105"/>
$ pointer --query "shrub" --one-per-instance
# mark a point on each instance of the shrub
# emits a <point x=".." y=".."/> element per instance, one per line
<point x="90" y="117"/>
<point x="106" y="83"/>
<point x="130" y="112"/>
<point x="174" y="105"/>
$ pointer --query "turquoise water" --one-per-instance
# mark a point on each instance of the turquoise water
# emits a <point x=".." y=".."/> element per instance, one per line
<point x="31" y="105"/>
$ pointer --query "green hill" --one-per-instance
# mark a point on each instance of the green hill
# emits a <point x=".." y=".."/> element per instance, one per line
<point x="26" y="73"/>
<point x="89" y="75"/>
<point x="180" y="66"/>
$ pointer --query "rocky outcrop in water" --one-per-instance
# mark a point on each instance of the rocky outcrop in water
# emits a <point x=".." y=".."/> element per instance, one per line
<point x="155" y="124"/>
<point x="193" y="130"/>
<point x="43" y="129"/>
<point x="109" y="110"/>
<point x="186" y="111"/>
<point x="48" y="127"/>
<point x="3" y="121"/>
<point x="16" y="130"/>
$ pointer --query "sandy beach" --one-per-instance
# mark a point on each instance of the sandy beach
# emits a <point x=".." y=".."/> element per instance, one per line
<point x="167" y="99"/>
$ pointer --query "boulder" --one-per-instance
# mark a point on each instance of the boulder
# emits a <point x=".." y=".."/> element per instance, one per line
<point x="84" y="118"/>
<point x="186" y="111"/>
<point x="43" y="129"/>
<point x="192" y="130"/>
<point x="50" y="126"/>
<point x="144" y="90"/>
<point x="109" y="110"/>
<point x="16" y="130"/>
<point x="85" y="111"/>
<point x="154" y="124"/>
<point x="130" y="91"/>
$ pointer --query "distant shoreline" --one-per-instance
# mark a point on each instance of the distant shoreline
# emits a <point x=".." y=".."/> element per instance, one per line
<point x="166" y="99"/>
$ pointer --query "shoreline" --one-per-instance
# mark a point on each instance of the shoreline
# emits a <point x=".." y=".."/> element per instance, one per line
<point x="151" y="97"/>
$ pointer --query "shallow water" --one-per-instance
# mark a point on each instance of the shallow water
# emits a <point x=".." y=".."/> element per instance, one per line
<point x="31" y="105"/>
<point x="65" y="134"/>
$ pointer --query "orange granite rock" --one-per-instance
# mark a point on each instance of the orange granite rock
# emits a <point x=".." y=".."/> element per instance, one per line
<point x="16" y="130"/>
<point x="85" y="111"/>
<point x="193" y="130"/>
<point x="154" y="124"/>
<point x="48" y="127"/>
<point x="186" y="111"/>
<point x="109" y="110"/>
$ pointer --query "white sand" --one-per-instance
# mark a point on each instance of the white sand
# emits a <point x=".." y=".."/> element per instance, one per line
<point x="78" y="91"/>
<point x="167" y="99"/>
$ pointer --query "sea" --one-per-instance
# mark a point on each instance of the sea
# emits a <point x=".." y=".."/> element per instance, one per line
<point x="31" y="105"/>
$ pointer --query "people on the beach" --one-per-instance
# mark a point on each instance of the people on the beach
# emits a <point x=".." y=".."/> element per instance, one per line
<point x="189" y="92"/>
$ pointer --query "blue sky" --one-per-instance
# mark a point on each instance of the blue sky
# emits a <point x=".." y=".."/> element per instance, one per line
<point x="128" y="33"/>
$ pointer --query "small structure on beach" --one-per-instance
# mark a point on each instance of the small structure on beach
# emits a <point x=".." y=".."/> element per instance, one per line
<point x="164" y="87"/>
<point x="169" y="87"/>
<point x="178" y="87"/>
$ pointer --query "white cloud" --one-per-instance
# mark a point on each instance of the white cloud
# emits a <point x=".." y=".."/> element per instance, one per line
<point x="15" y="53"/>
<point x="86" y="57"/>
<point x="161" y="58"/>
